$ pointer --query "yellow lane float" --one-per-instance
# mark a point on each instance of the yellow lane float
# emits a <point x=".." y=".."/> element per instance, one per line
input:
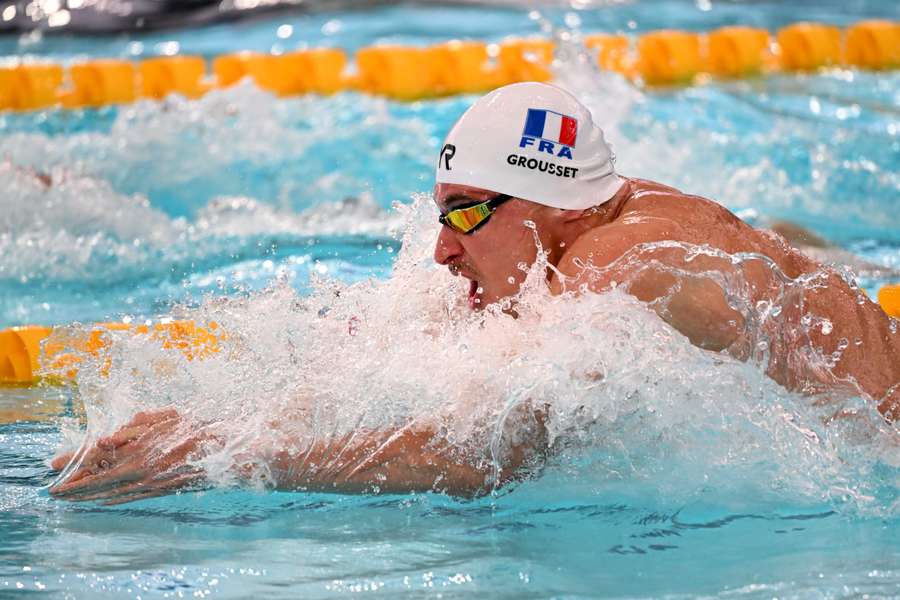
<point x="411" y="73"/>
<point x="166" y="75"/>
<point x="809" y="46"/>
<point x="101" y="82"/>
<point x="669" y="57"/>
<point x="889" y="299"/>
<point x="738" y="51"/>
<point x="27" y="351"/>
<point x="613" y="53"/>
<point x="30" y="86"/>
<point x="874" y="45"/>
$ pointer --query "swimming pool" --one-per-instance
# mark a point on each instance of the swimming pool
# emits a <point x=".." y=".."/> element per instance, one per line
<point x="690" y="475"/>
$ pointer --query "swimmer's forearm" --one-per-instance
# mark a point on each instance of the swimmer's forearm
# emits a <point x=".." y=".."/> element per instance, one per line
<point x="399" y="460"/>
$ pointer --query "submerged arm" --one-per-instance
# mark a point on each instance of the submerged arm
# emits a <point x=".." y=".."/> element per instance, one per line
<point x="396" y="460"/>
<point x="158" y="453"/>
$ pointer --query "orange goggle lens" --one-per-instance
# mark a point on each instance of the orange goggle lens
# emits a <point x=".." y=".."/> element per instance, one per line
<point x="469" y="218"/>
<point x="465" y="220"/>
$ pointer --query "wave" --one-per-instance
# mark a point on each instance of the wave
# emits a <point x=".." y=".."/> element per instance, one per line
<point x="63" y="227"/>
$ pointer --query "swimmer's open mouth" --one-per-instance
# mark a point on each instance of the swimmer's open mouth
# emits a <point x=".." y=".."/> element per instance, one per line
<point x="473" y="292"/>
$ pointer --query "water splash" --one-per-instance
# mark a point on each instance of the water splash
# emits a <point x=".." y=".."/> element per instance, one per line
<point x="294" y="153"/>
<point x="630" y="403"/>
<point x="61" y="226"/>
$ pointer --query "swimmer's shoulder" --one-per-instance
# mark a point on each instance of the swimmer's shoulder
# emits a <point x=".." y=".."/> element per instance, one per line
<point x="703" y="221"/>
<point x="603" y="245"/>
<point x="651" y="197"/>
<point x="696" y="215"/>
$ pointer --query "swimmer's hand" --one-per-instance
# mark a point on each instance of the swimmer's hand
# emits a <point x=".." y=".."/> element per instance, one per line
<point x="150" y="456"/>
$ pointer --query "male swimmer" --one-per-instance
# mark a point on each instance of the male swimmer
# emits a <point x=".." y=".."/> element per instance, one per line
<point x="527" y="165"/>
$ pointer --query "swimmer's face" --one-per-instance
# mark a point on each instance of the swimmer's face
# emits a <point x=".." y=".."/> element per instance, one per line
<point x="490" y="256"/>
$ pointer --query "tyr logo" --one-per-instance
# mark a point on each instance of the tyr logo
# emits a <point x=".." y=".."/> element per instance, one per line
<point x="447" y="152"/>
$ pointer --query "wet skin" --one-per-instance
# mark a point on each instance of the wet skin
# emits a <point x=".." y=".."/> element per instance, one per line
<point x="605" y="246"/>
<point x="590" y="249"/>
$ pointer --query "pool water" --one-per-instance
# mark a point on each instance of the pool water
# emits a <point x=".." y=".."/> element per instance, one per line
<point x="692" y="475"/>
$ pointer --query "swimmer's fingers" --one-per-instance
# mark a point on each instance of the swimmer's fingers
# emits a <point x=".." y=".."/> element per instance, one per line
<point x="127" y="434"/>
<point x="140" y="424"/>
<point x="90" y="463"/>
<point x="139" y="467"/>
<point x="88" y="485"/>
<point x="150" y="417"/>
<point x="139" y="490"/>
<point x="178" y="480"/>
<point x="127" y="492"/>
<point x="59" y="462"/>
<point x="88" y="480"/>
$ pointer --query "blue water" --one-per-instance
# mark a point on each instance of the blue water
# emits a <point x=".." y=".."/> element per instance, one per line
<point x="430" y="24"/>
<point x="158" y="207"/>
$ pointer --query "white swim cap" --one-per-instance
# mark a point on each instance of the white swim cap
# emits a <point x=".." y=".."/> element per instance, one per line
<point x="532" y="141"/>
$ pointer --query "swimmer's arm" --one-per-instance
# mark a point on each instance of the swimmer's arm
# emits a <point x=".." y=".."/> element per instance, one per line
<point x="694" y="305"/>
<point x="405" y="459"/>
<point x="159" y="453"/>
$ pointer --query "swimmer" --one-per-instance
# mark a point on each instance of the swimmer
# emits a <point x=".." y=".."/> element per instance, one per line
<point x="526" y="165"/>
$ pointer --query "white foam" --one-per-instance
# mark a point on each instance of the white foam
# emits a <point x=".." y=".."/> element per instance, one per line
<point x="68" y="227"/>
<point x="630" y="401"/>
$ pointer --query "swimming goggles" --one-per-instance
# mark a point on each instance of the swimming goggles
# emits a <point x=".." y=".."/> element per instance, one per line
<point x="467" y="219"/>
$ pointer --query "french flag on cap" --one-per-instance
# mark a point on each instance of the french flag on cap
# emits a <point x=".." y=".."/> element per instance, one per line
<point x="551" y="126"/>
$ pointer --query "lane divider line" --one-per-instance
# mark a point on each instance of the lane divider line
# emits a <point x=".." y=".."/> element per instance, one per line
<point x="656" y="58"/>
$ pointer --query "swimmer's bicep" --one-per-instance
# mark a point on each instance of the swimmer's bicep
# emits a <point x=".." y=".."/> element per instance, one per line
<point x="694" y="304"/>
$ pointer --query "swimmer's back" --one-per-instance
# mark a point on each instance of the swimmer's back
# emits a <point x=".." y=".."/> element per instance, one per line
<point x="700" y="221"/>
<point x="864" y="339"/>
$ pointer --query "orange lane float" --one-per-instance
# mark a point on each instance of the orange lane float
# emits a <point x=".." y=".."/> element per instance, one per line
<point x="809" y="46"/>
<point x="669" y="57"/>
<point x="466" y="67"/>
<point x="613" y="53"/>
<point x="19" y="352"/>
<point x="874" y="45"/>
<point x="738" y="51"/>
<point x="278" y="74"/>
<point x="526" y="59"/>
<point x="318" y="71"/>
<point x="27" y="351"/>
<point x="166" y="75"/>
<point x="30" y="86"/>
<point x="100" y="83"/>
<point x="889" y="299"/>
<point x="411" y="73"/>
<point x="401" y="72"/>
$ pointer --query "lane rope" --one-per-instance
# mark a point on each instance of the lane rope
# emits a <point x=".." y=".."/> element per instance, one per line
<point x="656" y="58"/>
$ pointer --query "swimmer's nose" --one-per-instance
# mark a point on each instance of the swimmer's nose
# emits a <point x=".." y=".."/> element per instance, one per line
<point x="447" y="246"/>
